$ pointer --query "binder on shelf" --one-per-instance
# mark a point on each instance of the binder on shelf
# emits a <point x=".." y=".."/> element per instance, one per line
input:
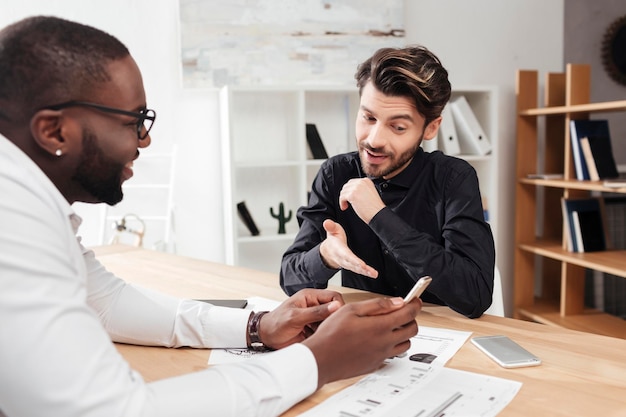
<point x="247" y="219"/>
<point x="314" y="140"/>
<point x="448" y="137"/>
<point x="472" y="137"/>
<point x="584" y="224"/>
<point x="585" y="128"/>
<point x="599" y="157"/>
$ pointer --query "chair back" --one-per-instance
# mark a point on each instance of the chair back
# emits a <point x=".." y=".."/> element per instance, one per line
<point x="497" y="303"/>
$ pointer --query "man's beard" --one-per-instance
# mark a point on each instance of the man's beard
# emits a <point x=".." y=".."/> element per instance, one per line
<point x="98" y="175"/>
<point x="396" y="163"/>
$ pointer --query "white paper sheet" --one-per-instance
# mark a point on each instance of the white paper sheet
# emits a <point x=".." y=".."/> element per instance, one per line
<point x="415" y="383"/>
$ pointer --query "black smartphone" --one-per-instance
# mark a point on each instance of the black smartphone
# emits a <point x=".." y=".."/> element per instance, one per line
<point x="227" y="303"/>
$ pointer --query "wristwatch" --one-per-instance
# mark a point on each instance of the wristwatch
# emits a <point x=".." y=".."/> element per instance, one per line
<point x="253" y="332"/>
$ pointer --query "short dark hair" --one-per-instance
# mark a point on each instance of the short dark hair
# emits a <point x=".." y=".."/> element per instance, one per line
<point x="412" y="72"/>
<point x="46" y="60"/>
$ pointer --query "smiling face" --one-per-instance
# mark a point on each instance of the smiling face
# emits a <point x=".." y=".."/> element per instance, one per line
<point x="389" y="131"/>
<point x="108" y="142"/>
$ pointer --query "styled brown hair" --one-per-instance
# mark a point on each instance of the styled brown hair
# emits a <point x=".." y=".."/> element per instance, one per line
<point x="412" y="72"/>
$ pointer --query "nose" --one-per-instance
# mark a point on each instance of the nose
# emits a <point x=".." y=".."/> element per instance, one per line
<point x="376" y="137"/>
<point x="145" y="142"/>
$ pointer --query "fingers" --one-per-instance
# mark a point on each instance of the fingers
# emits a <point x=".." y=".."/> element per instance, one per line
<point x="336" y="253"/>
<point x="332" y="227"/>
<point x="309" y="297"/>
<point x="377" y="306"/>
<point x="369" y="331"/>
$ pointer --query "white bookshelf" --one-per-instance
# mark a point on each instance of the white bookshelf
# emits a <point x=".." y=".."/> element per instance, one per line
<point x="266" y="159"/>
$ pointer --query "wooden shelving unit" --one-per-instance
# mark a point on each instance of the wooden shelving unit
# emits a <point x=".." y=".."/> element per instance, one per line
<point x="543" y="265"/>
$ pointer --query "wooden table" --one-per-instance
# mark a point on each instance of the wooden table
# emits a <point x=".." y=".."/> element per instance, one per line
<point x="582" y="374"/>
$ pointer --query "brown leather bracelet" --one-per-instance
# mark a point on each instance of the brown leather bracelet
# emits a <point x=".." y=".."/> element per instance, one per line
<point x="253" y="331"/>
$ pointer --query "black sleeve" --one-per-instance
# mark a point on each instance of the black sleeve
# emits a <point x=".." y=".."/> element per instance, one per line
<point x="462" y="263"/>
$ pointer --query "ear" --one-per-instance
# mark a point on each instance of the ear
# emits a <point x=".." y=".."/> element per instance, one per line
<point x="431" y="130"/>
<point x="46" y="128"/>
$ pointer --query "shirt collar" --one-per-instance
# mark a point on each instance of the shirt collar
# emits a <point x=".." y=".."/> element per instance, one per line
<point x="9" y="150"/>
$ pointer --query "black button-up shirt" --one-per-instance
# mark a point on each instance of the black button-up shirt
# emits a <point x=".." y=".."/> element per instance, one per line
<point x="433" y="224"/>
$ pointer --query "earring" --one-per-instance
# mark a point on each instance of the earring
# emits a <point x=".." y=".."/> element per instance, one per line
<point x="59" y="152"/>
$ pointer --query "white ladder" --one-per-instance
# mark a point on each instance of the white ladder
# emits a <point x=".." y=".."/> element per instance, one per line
<point x="148" y="205"/>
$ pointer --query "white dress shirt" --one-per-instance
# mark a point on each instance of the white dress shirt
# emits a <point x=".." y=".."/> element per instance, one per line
<point x="60" y="310"/>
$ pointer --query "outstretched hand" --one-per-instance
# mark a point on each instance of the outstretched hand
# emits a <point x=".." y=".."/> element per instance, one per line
<point x="297" y="317"/>
<point x="336" y="253"/>
<point x="358" y="337"/>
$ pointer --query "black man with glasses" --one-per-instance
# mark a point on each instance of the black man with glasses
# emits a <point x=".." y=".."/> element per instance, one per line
<point x="73" y="118"/>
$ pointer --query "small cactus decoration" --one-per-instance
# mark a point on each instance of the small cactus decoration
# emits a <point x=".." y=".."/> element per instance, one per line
<point x="281" y="218"/>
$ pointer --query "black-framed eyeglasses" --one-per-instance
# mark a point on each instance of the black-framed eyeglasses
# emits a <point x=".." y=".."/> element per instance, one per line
<point x="145" y="117"/>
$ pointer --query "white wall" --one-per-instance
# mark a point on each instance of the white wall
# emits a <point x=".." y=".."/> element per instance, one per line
<point x="480" y="42"/>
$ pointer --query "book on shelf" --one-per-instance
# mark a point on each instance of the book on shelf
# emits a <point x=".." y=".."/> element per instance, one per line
<point x="615" y="183"/>
<point x="314" y="140"/>
<point x="589" y="231"/>
<point x="553" y="176"/>
<point x="584" y="224"/>
<point x="448" y="137"/>
<point x="472" y="137"/>
<point x="247" y="219"/>
<point x="599" y="157"/>
<point x="585" y="128"/>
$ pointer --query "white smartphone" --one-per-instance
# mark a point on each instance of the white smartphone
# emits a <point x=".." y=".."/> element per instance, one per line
<point x="505" y="352"/>
<point x="418" y="288"/>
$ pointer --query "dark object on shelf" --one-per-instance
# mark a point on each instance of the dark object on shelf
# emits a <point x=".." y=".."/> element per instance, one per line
<point x="315" y="142"/>
<point x="602" y="162"/>
<point x="591" y="231"/>
<point x="614" y="50"/>
<point x="585" y="128"/>
<point x="585" y="225"/>
<point x="245" y="216"/>
<point x="281" y="218"/>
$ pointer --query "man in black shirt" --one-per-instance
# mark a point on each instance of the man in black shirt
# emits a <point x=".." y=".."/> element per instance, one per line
<point x="391" y="213"/>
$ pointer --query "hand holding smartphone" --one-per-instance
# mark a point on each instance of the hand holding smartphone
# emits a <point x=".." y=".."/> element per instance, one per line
<point x="418" y="288"/>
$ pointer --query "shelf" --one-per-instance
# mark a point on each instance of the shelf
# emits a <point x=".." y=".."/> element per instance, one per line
<point x="591" y="321"/>
<point x="609" y="261"/>
<point x="573" y="185"/>
<point x="610" y="106"/>
<point x="543" y="265"/>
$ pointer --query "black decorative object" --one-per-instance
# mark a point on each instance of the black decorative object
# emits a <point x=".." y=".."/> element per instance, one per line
<point x="315" y="142"/>
<point x="614" y="50"/>
<point x="245" y="216"/>
<point x="281" y="218"/>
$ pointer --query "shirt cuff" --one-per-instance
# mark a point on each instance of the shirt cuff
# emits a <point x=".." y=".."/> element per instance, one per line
<point x="293" y="385"/>
<point x="316" y="268"/>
